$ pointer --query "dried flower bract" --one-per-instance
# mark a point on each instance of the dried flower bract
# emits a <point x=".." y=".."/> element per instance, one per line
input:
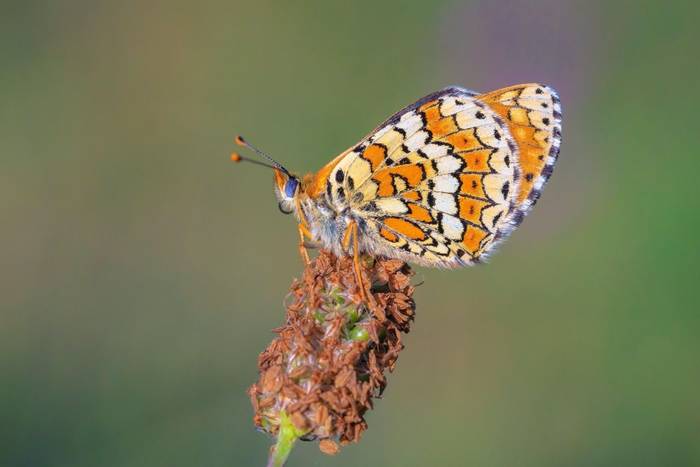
<point x="329" y="359"/>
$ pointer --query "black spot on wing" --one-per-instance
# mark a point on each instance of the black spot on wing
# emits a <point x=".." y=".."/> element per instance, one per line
<point x="505" y="189"/>
<point x="371" y="207"/>
<point x="439" y="223"/>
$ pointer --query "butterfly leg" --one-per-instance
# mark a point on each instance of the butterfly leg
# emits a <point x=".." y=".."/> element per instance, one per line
<point x="351" y="235"/>
<point x="304" y="232"/>
<point x="303" y="235"/>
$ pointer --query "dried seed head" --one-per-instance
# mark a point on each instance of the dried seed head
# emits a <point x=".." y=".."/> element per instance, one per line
<point x="328" y="447"/>
<point x="329" y="359"/>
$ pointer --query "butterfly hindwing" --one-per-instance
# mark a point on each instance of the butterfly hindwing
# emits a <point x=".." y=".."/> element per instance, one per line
<point x="379" y="148"/>
<point x="442" y="181"/>
<point x="448" y="188"/>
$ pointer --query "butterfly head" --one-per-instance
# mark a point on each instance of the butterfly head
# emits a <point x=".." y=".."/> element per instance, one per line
<point x="286" y="185"/>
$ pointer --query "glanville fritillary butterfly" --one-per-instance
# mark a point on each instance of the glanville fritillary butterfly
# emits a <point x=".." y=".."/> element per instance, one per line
<point x="440" y="183"/>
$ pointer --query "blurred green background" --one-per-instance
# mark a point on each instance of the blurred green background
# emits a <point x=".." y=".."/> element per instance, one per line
<point x="141" y="272"/>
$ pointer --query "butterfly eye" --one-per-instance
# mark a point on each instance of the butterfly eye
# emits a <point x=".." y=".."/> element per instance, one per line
<point x="290" y="187"/>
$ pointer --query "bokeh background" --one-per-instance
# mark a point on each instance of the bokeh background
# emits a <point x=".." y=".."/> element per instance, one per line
<point x="141" y="273"/>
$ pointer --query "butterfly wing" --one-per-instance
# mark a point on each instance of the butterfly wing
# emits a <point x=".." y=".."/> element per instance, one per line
<point x="445" y="193"/>
<point x="351" y="167"/>
<point x="438" y="183"/>
<point x="533" y="115"/>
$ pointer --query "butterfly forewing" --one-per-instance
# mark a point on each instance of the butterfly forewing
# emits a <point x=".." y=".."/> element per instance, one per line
<point x="533" y="115"/>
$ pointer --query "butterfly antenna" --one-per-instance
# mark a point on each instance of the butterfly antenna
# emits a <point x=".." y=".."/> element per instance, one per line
<point x="235" y="157"/>
<point x="242" y="142"/>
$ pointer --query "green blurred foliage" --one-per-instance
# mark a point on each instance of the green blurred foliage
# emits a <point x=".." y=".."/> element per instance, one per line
<point x="141" y="273"/>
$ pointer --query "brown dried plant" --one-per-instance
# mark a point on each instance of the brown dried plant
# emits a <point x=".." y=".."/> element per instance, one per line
<point x="320" y="374"/>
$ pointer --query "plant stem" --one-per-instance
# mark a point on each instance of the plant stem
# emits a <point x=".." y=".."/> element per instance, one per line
<point x="286" y="437"/>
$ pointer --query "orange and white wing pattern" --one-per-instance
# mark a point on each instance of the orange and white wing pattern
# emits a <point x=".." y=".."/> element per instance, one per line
<point x="533" y="115"/>
<point x="439" y="183"/>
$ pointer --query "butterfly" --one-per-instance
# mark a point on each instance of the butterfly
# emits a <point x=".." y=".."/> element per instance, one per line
<point x="440" y="183"/>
